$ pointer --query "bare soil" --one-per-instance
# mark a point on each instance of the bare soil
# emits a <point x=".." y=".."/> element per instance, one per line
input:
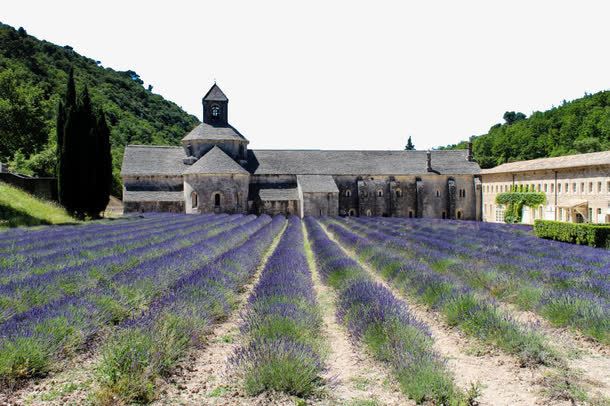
<point x="352" y="374"/>
<point x="500" y="378"/>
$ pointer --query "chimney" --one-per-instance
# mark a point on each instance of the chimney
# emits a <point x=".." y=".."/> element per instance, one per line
<point x="470" y="159"/>
<point x="429" y="161"/>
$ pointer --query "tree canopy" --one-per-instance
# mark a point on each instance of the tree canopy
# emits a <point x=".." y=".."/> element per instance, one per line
<point x="33" y="76"/>
<point x="579" y="126"/>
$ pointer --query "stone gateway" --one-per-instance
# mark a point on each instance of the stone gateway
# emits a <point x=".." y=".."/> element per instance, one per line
<point x="214" y="171"/>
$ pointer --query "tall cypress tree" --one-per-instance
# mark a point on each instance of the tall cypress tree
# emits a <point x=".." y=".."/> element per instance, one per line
<point x="85" y="163"/>
<point x="65" y="139"/>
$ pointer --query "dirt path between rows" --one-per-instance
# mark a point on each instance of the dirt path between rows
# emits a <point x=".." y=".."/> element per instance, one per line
<point x="205" y="379"/>
<point x="590" y="360"/>
<point x="353" y="375"/>
<point x="501" y="379"/>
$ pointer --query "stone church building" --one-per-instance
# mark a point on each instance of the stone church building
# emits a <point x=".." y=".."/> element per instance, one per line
<point x="214" y="171"/>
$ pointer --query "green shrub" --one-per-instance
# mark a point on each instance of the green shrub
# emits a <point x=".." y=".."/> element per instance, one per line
<point x="593" y="235"/>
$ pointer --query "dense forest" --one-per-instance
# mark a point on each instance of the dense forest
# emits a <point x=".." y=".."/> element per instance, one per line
<point x="33" y="75"/>
<point x="578" y="126"/>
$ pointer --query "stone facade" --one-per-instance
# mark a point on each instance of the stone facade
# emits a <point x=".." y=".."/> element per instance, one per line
<point x="577" y="188"/>
<point x="214" y="171"/>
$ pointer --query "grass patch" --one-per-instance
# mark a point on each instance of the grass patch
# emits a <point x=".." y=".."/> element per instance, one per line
<point x="19" y="208"/>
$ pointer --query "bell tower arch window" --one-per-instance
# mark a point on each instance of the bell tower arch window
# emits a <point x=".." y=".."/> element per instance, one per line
<point x="215" y="111"/>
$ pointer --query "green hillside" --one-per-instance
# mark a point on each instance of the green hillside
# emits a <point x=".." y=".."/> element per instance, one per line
<point x="19" y="208"/>
<point x="33" y="75"/>
<point x="578" y="126"/>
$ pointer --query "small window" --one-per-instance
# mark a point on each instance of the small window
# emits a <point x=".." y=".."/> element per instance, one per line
<point x="438" y="193"/>
<point x="216" y="199"/>
<point x="410" y="214"/>
<point x="348" y="193"/>
<point x="539" y="187"/>
<point x="599" y="187"/>
<point x="368" y="213"/>
<point x="574" y="187"/>
<point x="444" y="215"/>
<point x="582" y="187"/>
<point x="552" y="187"/>
<point x="398" y="193"/>
<point x="215" y="111"/>
<point x="379" y="193"/>
<point x="545" y="188"/>
<point x="559" y="188"/>
<point x="194" y="202"/>
<point x="459" y="215"/>
<point x="351" y="212"/>
<point x="608" y="187"/>
<point x="590" y="187"/>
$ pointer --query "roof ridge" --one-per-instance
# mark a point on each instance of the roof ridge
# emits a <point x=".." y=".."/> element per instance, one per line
<point x="153" y="146"/>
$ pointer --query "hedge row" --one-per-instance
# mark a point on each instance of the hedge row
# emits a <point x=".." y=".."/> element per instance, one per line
<point x="594" y="235"/>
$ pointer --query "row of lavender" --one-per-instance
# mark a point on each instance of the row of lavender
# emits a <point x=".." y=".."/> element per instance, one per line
<point x="374" y="316"/>
<point x="569" y="286"/>
<point x="23" y="263"/>
<point x="39" y="289"/>
<point x="32" y="341"/>
<point x="458" y="303"/>
<point x="281" y="326"/>
<point x="148" y="347"/>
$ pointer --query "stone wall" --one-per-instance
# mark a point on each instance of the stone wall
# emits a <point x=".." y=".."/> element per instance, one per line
<point x="233" y="148"/>
<point x="590" y="185"/>
<point x="431" y="196"/>
<point x="232" y="189"/>
<point x="284" y="207"/>
<point x="153" y="182"/>
<point x="320" y="204"/>
<point x="45" y="188"/>
<point x="140" y="207"/>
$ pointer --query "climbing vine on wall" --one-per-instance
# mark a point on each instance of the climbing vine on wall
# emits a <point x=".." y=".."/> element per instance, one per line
<point x="515" y="201"/>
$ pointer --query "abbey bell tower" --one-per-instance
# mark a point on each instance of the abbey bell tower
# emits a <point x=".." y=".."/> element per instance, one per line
<point x="215" y="107"/>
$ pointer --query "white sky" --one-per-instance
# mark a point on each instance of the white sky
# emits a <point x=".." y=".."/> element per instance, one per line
<point x="344" y="74"/>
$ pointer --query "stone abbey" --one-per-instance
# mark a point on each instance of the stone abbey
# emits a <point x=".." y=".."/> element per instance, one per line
<point x="214" y="171"/>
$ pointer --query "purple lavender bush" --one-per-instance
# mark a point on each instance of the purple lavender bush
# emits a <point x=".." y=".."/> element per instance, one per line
<point x="282" y="324"/>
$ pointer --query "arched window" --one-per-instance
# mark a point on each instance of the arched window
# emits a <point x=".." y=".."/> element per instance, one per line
<point x="194" y="200"/>
<point x="216" y="199"/>
<point x="459" y="215"/>
<point x="380" y="193"/>
<point x="438" y="193"/>
<point x="215" y="111"/>
<point x="348" y="193"/>
<point x="410" y="214"/>
<point x="351" y="212"/>
<point x="398" y="193"/>
<point x="368" y="213"/>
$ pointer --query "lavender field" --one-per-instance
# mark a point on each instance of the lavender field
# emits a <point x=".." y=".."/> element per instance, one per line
<point x="236" y="309"/>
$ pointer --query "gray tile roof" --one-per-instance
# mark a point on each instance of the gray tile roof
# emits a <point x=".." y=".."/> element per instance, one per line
<point x="278" y="194"/>
<point x="319" y="162"/>
<point x="215" y="161"/>
<point x="215" y="94"/>
<point x="317" y="184"/>
<point x="156" y="160"/>
<point x="152" y="196"/>
<point x="560" y="162"/>
<point x="206" y="131"/>
<point x="153" y="160"/>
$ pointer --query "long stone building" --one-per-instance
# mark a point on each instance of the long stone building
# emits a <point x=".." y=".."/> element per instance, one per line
<point x="214" y="171"/>
<point x="577" y="188"/>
